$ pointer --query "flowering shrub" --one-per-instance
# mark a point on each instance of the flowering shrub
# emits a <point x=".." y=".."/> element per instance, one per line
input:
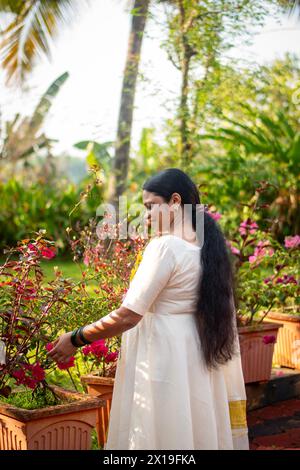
<point x="34" y="312"/>
<point x="267" y="272"/>
<point x="26" y="305"/>
<point x="100" y="356"/>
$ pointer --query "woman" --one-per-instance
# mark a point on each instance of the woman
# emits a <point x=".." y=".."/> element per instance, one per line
<point x="179" y="381"/>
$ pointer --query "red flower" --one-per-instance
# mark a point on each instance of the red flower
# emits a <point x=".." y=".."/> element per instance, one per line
<point x="86" y="350"/>
<point x="32" y="249"/>
<point x="66" y="365"/>
<point x="269" y="339"/>
<point x="99" y="348"/>
<point x="48" y="253"/>
<point x="29" y="375"/>
<point x="62" y="365"/>
<point x="112" y="357"/>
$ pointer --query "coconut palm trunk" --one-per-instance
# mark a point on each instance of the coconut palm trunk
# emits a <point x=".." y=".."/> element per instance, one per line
<point x="118" y="178"/>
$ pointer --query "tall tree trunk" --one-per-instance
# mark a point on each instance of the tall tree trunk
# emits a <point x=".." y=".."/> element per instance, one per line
<point x="118" y="178"/>
<point x="184" y="112"/>
<point x="185" y="63"/>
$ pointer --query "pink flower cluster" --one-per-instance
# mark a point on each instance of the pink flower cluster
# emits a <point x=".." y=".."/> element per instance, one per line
<point x="292" y="242"/>
<point x="233" y="249"/>
<point x="29" y="375"/>
<point x="262" y="249"/>
<point x="46" y="252"/>
<point x="214" y="215"/>
<point x="62" y="365"/>
<point x="247" y="226"/>
<point x="100" y="350"/>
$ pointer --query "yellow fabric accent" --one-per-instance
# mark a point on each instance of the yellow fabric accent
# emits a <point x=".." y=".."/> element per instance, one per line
<point x="136" y="264"/>
<point x="237" y="410"/>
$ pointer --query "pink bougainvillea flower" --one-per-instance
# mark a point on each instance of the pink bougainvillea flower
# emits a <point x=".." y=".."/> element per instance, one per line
<point x="86" y="350"/>
<point x="66" y="365"/>
<point x="112" y="357"/>
<point x="48" y="253"/>
<point x="269" y="339"/>
<point x="263" y="249"/>
<point x="233" y="249"/>
<point x="214" y="215"/>
<point x="99" y="348"/>
<point x="62" y="365"/>
<point x="29" y="375"/>
<point x="86" y="260"/>
<point x="248" y="226"/>
<point x="32" y="249"/>
<point x="37" y="372"/>
<point x="292" y="242"/>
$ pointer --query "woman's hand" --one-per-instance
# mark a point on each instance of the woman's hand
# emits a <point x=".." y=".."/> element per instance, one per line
<point x="63" y="348"/>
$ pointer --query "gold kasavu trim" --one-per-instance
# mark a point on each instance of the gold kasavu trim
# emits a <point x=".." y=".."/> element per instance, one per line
<point x="237" y="411"/>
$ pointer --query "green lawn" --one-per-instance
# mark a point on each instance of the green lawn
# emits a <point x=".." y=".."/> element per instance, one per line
<point x="69" y="269"/>
<point x="67" y="266"/>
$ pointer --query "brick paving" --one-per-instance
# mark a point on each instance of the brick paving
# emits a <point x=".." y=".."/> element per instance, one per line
<point x="275" y="427"/>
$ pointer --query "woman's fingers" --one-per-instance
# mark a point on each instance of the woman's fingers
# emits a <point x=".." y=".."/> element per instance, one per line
<point x="63" y="349"/>
<point x="60" y="358"/>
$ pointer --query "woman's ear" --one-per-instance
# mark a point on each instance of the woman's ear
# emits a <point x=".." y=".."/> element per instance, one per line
<point x="176" y="199"/>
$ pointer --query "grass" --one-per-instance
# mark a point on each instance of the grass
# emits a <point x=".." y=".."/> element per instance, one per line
<point x="67" y="266"/>
<point x="28" y="400"/>
<point x="69" y="269"/>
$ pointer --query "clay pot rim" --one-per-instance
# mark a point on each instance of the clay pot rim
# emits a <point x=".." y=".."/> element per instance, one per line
<point x="284" y="316"/>
<point x="93" y="378"/>
<point x="82" y="402"/>
<point x="258" y="327"/>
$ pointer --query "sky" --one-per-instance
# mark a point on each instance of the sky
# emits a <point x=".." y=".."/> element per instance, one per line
<point x="93" y="50"/>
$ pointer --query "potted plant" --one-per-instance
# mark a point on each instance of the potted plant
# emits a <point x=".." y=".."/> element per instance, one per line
<point x="287" y="304"/>
<point x="101" y="355"/>
<point x="34" y="414"/>
<point x="255" y="254"/>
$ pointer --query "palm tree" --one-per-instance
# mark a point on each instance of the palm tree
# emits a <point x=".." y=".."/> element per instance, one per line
<point x="35" y="22"/>
<point x="121" y="160"/>
<point x="29" y="33"/>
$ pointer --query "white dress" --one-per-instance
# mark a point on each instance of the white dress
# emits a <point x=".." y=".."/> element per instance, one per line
<point x="163" y="397"/>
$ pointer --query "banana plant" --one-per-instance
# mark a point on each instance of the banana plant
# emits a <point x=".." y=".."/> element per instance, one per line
<point x="23" y="136"/>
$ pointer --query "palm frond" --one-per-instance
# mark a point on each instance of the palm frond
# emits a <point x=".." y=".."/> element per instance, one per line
<point x="34" y="25"/>
<point x="23" y="134"/>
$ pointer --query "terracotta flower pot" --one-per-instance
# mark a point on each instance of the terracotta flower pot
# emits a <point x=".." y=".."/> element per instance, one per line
<point x="62" y="427"/>
<point x="256" y="355"/>
<point x="287" y="348"/>
<point x="100" y="387"/>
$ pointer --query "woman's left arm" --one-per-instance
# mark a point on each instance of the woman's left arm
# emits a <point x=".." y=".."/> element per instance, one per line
<point x="113" y="324"/>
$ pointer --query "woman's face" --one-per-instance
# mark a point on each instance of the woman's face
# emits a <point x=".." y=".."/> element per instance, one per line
<point x="159" y="214"/>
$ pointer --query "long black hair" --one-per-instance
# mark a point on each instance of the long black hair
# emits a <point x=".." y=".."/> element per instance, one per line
<point x="215" y="304"/>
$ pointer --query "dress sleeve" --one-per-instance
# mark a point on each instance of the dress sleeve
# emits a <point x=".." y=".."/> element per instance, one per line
<point x="152" y="275"/>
